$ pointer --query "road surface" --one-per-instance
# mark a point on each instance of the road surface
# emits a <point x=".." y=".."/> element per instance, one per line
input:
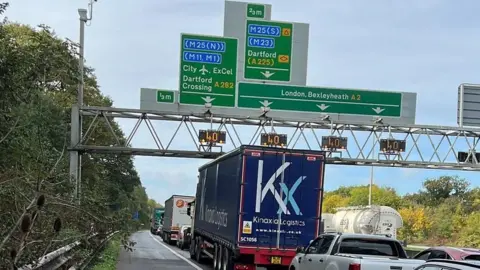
<point x="150" y="252"/>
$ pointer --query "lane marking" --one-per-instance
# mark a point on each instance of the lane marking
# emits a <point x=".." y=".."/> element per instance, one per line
<point x="176" y="253"/>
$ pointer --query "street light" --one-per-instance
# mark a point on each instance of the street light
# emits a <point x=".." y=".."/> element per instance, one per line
<point x="76" y="132"/>
<point x="83" y="20"/>
<point x="83" y="14"/>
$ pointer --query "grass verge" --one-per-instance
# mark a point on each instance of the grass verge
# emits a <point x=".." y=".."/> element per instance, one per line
<point x="108" y="258"/>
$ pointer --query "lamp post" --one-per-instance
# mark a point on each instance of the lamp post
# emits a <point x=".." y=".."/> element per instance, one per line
<point x="76" y="117"/>
<point x="83" y="20"/>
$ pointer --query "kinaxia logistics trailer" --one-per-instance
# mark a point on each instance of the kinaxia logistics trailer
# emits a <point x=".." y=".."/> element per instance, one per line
<point x="175" y="216"/>
<point x="156" y="219"/>
<point x="255" y="205"/>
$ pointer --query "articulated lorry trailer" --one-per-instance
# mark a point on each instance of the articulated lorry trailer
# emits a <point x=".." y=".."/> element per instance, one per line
<point x="156" y="219"/>
<point x="255" y="206"/>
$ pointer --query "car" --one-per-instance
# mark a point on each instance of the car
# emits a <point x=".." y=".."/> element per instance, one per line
<point x="448" y="253"/>
<point x="445" y="264"/>
<point x="159" y="231"/>
<point x="339" y="251"/>
<point x="182" y="241"/>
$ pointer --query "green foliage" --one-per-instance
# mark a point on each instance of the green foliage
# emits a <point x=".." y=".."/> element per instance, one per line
<point x="38" y="84"/>
<point x="358" y="195"/>
<point x="108" y="259"/>
<point x="443" y="212"/>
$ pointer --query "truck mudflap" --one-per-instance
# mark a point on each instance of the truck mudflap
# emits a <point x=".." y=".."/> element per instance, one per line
<point x="270" y="256"/>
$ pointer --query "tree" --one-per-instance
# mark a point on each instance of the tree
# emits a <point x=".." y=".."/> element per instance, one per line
<point x="444" y="212"/>
<point x="153" y="204"/>
<point x="469" y="235"/>
<point x="435" y="191"/>
<point x="38" y="81"/>
<point x="358" y="195"/>
<point x="415" y="223"/>
<point x="332" y="201"/>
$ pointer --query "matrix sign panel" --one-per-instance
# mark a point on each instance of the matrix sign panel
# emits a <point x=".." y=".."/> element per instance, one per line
<point x="334" y="142"/>
<point x="392" y="145"/>
<point x="212" y="136"/>
<point x="273" y="139"/>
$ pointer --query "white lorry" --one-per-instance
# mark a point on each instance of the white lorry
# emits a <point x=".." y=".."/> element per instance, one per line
<point x="342" y="251"/>
<point x="175" y="216"/>
<point x="374" y="219"/>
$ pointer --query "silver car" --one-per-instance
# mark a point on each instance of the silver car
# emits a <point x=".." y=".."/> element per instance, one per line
<point x="442" y="264"/>
<point x="182" y="237"/>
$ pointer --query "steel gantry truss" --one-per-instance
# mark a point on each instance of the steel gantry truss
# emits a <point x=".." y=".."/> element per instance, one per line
<point x="431" y="147"/>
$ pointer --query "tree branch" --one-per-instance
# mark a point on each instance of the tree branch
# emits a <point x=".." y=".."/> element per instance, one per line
<point x="30" y="206"/>
<point x="10" y="131"/>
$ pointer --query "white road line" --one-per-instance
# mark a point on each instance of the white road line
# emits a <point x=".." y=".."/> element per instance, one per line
<point x="176" y="253"/>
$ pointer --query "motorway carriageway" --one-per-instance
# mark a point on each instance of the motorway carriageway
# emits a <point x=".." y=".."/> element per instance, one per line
<point x="150" y="252"/>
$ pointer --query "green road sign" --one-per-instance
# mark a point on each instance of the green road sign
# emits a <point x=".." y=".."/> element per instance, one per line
<point x="255" y="11"/>
<point x="165" y="96"/>
<point x="268" y="50"/>
<point x="208" y="70"/>
<point x="319" y="99"/>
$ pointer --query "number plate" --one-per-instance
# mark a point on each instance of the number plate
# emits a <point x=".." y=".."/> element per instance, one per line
<point x="276" y="260"/>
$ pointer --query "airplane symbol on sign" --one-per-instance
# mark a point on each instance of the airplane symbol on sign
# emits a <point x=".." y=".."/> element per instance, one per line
<point x="203" y="70"/>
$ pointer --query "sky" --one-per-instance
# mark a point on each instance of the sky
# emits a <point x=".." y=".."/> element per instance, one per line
<point x="428" y="47"/>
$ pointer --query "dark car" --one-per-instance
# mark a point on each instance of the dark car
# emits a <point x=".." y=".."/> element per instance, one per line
<point x="449" y="253"/>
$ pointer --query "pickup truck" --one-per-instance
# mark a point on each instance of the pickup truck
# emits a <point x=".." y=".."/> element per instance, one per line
<point x="337" y="251"/>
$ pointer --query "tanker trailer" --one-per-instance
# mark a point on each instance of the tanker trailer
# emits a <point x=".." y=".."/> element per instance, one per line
<point x="373" y="219"/>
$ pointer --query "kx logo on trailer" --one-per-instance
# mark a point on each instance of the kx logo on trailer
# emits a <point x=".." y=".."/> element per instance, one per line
<point x="262" y="192"/>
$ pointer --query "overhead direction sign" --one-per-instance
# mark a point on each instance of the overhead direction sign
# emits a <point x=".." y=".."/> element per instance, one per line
<point x="208" y="70"/>
<point x="165" y="96"/>
<point x="256" y="11"/>
<point x="268" y="50"/>
<point x="468" y="112"/>
<point x="319" y="99"/>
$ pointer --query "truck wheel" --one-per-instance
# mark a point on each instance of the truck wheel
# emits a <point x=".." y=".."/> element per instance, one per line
<point x="192" y="249"/>
<point x="226" y="259"/>
<point x="198" y="251"/>
<point x="215" y="257"/>
<point x="217" y="262"/>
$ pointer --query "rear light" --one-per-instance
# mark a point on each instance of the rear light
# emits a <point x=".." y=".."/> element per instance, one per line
<point x="244" y="267"/>
<point x="354" y="266"/>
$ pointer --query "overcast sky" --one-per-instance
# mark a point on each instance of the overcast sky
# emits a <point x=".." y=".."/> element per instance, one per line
<point x="423" y="46"/>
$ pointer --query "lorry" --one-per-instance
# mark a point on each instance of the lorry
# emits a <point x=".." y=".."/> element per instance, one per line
<point x="341" y="251"/>
<point x="255" y="205"/>
<point x="175" y="216"/>
<point x="156" y="219"/>
<point x="373" y="219"/>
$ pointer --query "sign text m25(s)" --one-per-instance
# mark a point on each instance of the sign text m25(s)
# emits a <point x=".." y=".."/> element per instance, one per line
<point x="269" y="187"/>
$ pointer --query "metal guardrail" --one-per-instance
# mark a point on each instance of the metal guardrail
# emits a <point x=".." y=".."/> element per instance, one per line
<point x="59" y="257"/>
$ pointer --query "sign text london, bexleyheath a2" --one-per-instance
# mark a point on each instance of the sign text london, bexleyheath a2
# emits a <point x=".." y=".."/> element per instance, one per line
<point x="268" y="50"/>
<point x="319" y="99"/>
<point x="208" y="70"/>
